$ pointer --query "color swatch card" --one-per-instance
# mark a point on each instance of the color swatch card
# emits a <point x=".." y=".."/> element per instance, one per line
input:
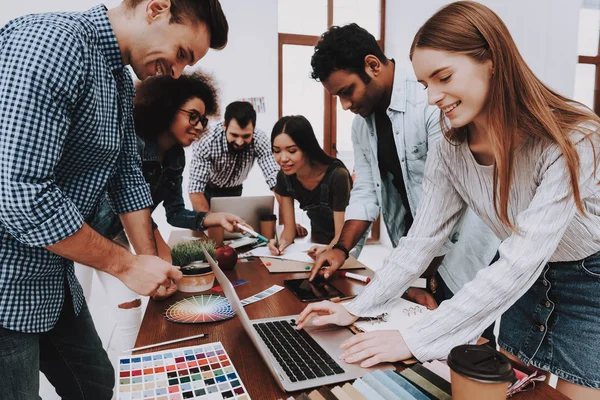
<point x="198" y="372"/>
<point x="203" y="308"/>
<point x="264" y="294"/>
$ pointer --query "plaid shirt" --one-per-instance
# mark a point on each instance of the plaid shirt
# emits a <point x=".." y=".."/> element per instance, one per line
<point x="66" y="134"/>
<point x="213" y="163"/>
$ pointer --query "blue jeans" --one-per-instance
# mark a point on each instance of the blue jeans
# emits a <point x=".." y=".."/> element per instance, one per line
<point x="70" y="355"/>
<point x="555" y="325"/>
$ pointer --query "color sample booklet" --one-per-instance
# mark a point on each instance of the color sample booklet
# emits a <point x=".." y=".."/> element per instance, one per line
<point x="197" y="372"/>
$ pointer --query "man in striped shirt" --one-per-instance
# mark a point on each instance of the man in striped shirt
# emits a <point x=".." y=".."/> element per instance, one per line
<point x="223" y="159"/>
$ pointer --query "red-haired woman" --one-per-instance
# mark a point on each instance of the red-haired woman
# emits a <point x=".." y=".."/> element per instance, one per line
<point x="524" y="159"/>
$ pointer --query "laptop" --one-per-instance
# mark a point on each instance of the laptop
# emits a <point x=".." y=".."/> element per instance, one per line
<point x="297" y="360"/>
<point x="249" y="208"/>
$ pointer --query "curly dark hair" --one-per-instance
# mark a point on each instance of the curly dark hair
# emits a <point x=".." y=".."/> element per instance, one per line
<point x="344" y="48"/>
<point x="158" y="99"/>
<point x="206" y="11"/>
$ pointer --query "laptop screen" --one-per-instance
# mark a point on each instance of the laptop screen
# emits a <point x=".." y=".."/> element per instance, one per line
<point x="229" y="293"/>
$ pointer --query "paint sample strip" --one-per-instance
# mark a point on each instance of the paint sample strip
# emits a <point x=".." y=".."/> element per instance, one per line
<point x="262" y="295"/>
<point x="198" y="372"/>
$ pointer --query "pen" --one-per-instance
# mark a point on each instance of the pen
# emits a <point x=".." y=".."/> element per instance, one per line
<point x="358" y="277"/>
<point x="338" y="299"/>
<point x="167" y="342"/>
<point x="253" y="233"/>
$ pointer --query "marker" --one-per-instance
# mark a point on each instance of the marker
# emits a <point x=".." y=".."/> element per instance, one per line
<point x="358" y="277"/>
<point x="253" y="233"/>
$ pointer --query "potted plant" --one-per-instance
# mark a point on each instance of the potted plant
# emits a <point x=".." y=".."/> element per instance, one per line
<point x="197" y="273"/>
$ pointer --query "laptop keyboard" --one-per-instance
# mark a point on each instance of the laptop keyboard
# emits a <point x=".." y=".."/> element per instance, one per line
<point x="298" y="354"/>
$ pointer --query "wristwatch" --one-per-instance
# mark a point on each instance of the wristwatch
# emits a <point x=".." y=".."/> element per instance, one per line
<point x="342" y="248"/>
<point x="200" y="224"/>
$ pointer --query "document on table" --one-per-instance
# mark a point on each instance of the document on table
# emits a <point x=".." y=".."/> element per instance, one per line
<point x="294" y="252"/>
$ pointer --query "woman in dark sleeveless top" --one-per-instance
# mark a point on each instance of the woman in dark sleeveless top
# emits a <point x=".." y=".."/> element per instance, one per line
<point x="320" y="183"/>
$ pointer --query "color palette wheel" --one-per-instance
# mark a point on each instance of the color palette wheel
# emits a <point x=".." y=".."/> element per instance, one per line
<point x="198" y="309"/>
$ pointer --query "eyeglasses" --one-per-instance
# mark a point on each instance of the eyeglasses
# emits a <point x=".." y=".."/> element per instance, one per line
<point x="195" y="118"/>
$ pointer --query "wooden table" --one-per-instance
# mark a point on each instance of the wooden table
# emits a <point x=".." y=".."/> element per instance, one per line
<point x="255" y="375"/>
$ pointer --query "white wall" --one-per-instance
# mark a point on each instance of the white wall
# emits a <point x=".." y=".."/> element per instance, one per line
<point x="247" y="67"/>
<point x="545" y="32"/>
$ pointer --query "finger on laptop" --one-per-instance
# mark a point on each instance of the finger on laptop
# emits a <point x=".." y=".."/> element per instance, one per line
<point x="321" y="309"/>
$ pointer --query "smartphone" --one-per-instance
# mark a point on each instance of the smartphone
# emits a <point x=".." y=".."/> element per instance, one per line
<point x="317" y="290"/>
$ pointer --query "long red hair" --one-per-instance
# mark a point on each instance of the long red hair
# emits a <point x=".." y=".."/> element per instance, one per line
<point x="519" y="105"/>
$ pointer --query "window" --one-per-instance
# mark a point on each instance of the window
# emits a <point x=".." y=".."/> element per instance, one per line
<point x="300" y="25"/>
<point x="587" y="74"/>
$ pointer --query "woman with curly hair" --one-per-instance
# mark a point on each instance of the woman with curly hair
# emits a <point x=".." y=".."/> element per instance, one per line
<point x="169" y="114"/>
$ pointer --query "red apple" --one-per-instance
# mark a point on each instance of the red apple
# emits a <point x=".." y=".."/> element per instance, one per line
<point x="226" y="257"/>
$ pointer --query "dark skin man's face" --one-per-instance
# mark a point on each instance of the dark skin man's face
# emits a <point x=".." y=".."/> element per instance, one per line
<point x="354" y="94"/>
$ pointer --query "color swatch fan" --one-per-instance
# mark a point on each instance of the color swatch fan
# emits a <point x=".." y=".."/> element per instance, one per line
<point x="203" y="308"/>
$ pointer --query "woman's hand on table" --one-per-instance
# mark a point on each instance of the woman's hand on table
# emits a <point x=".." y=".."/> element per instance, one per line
<point x="375" y="347"/>
<point x="323" y="313"/>
<point x="301" y="231"/>
<point x="277" y="251"/>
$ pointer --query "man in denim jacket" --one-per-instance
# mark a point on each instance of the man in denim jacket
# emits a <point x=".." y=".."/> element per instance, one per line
<point x="391" y="135"/>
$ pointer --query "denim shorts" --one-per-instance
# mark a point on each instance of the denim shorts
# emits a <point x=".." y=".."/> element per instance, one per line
<point x="555" y="326"/>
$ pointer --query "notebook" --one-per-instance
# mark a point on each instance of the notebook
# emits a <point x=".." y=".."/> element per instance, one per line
<point x="401" y="313"/>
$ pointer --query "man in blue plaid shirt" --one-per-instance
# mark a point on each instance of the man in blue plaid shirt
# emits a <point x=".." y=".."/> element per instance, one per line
<point x="66" y="133"/>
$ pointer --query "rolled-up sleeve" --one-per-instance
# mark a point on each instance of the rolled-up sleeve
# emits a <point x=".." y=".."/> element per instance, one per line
<point x="441" y="207"/>
<point x="128" y="190"/>
<point x="38" y="91"/>
<point x="363" y="205"/>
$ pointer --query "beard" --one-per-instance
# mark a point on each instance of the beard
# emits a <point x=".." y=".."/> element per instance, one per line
<point x="232" y="148"/>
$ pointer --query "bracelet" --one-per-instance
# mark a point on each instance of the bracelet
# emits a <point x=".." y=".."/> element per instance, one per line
<point x="342" y="248"/>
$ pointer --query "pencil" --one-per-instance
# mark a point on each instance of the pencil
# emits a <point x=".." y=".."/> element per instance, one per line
<point x="338" y="299"/>
<point x="167" y="342"/>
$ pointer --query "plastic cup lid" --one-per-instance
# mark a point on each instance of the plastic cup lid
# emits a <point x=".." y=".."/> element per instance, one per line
<point x="268" y="217"/>
<point x="481" y="363"/>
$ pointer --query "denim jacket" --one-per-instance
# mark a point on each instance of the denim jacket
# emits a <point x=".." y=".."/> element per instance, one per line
<point x="165" y="181"/>
<point x="416" y="129"/>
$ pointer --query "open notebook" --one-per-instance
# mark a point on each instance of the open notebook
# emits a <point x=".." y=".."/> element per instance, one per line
<point x="400" y="313"/>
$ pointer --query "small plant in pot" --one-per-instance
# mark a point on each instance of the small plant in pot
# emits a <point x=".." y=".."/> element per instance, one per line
<point x="197" y="273"/>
